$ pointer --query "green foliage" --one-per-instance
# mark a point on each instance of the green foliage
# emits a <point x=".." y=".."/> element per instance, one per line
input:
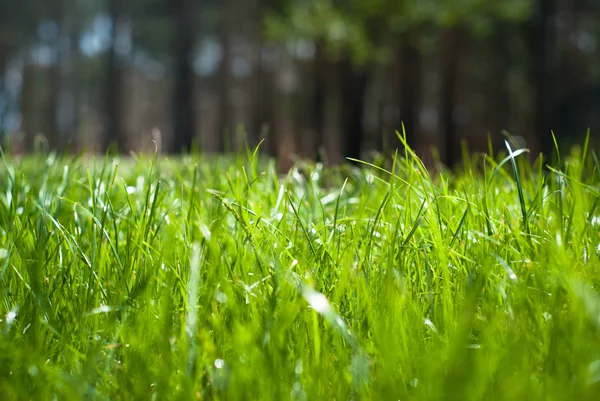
<point x="360" y="27"/>
<point x="219" y="279"/>
<point x="322" y="20"/>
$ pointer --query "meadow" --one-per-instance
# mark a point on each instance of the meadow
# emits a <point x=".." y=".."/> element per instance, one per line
<point x="189" y="278"/>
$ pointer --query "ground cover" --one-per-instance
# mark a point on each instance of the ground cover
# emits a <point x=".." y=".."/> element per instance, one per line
<point x="162" y="278"/>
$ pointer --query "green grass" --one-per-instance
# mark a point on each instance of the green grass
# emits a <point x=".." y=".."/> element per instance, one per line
<point x="197" y="279"/>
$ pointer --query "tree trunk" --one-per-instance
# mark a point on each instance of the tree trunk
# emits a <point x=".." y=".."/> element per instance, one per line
<point x="258" y="119"/>
<point x="269" y="97"/>
<point x="498" y="100"/>
<point x="69" y="78"/>
<point x="183" y="93"/>
<point x="114" y="134"/>
<point x="353" y="86"/>
<point x="449" y="70"/>
<point x="319" y="96"/>
<point x="573" y="76"/>
<point x="50" y="103"/>
<point x="283" y="124"/>
<point x="52" y="85"/>
<point x="28" y="108"/>
<point x="411" y="70"/>
<point x="3" y="110"/>
<point x="225" y="128"/>
<point x="541" y="74"/>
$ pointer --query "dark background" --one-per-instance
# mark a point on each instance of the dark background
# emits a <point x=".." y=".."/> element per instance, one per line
<point x="321" y="79"/>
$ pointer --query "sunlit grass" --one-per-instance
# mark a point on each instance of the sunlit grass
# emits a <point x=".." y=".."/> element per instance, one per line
<point x="195" y="279"/>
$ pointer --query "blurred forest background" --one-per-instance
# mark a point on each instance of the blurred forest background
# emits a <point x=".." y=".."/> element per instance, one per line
<point x="321" y="79"/>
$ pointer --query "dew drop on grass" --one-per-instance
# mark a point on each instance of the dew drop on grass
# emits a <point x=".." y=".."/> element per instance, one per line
<point x="3" y="253"/>
<point x="220" y="374"/>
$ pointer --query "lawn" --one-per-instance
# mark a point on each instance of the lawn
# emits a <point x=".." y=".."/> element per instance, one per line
<point x="188" y="278"/>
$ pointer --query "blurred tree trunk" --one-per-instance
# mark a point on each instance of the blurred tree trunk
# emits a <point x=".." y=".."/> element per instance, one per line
<point x="3" y="60"/>
<point x="283" y="122"/>
<point x="6" y="48"/>
<point x="498" y="100"/>
<point x="50" y="103"/>
<point x="3" y="63"/>
<point x="541" y="41"/>
<point x="261" y="118"/>
<point x="409" y="92"/>
<point x="225" y="127"/>
<point x="269" y="98"/>
<point x="259" y="102"/>
<point x="52" y="82"/>
<point x="69" y="82"/>
<point x="573" y="73"/>
<point x="353" y="87"/>
<point x="305" y="104"/>
<point x="183" y="94"/>
<point x="268" y="63"/>
<point x="332" y="136"/>
<point x="28" y="108"/>
<point x="319" y="96"/>
<point x="114" y="134"/>
<point x="451" y="53"/>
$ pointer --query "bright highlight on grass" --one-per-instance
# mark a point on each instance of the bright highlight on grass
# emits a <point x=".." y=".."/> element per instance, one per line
<point x="220" y="279"/>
